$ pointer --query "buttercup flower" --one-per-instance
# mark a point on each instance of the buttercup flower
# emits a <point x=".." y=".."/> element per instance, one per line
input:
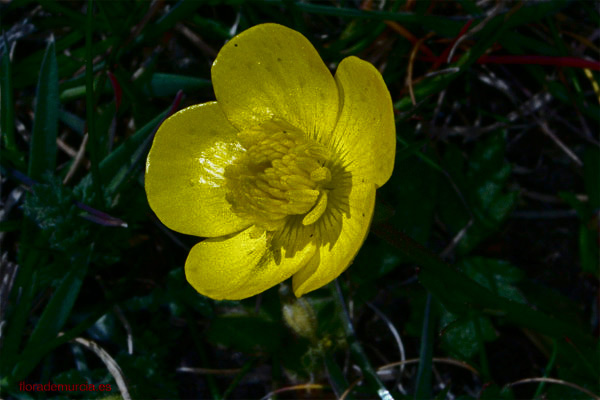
<point x="280" y="172"/>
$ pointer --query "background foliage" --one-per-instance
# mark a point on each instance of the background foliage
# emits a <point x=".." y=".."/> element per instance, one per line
<point x="497" y="172"/>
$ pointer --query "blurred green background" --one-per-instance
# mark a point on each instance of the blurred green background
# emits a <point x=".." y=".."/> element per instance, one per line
<point x="497" y="176"/>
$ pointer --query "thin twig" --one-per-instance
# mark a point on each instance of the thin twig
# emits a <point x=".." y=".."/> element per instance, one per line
<point x="8" y="273"/>
<point x="456" y="239"/>
<point x="559" y="143"/>
<point x="440" y="360"/>
<point x="451" y="70"/>
<point x="405" y="33"/>
<point x="493" y="12"/>
<point x="396" y="335"/>
<point x="127" y="328"/>
<point x="411" y="61"/>
<point x="77" y="161"/>
<point x="60" y="143"/>
<point x="110" y="363"/>
<point x="209" y="371"/>
<point x="196" y="40"/>
<point x="558" y="382"/>
<point x="306" y="386"/>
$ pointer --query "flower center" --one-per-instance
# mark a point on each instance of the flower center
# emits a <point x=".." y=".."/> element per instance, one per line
<point x="281" y="173"/>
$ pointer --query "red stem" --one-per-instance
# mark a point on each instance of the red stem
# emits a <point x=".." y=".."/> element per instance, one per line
<point x="446" y="51"/>
<point x="534" y="60"/>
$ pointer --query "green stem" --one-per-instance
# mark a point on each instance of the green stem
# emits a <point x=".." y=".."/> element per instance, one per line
<point x="336" y="377"/>
<point x="93" y="142"/>
<point x="358" y="354"/>
<point x="238" y="378"/>
<point x="485" y="367"/>
<point x="547" y="370"/>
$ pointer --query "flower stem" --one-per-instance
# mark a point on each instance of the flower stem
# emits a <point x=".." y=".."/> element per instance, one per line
<point x="358" y="354"/>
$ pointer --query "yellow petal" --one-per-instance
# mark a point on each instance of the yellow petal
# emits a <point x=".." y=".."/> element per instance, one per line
<point x="184" y="172"/>
<point x="365" y="134"/>
<point x="270" y="71"/>
<point x="330" y="261"/>
<point x="241" y="265"/>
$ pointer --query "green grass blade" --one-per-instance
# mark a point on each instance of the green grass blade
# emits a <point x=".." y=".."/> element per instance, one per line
<point x="183" y="9"/>
<point x="55" y="314"/>
<point x="123" y="160"/>
<point x="42" y="159"/>
<point x="424" y="382"/>
<point x="94" y="143"/>
<point x="30" y="358"/>
<point x="7" y="105"/>
<point x="42" y="156"/>
<point x="25" y="282"/>
<point x="118" y="165"/>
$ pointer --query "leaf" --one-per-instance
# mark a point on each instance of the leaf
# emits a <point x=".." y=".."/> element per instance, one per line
<point x="51" y="206"/>
<point x="42" y="156"/>
<point x="481" y="182"/>
<point x="461" y="295"/>
<point x="459" y="337"/>
<point x="495" y="275"/>
<point x="169" y="84"/>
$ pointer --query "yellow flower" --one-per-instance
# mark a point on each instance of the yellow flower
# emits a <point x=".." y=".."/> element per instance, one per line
<point x="280" y="172"/>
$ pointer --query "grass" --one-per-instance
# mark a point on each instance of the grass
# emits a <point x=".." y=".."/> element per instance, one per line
<point x="479" y="278"/>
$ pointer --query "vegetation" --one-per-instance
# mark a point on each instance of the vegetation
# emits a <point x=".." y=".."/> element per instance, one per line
<point x="479" y="278"/>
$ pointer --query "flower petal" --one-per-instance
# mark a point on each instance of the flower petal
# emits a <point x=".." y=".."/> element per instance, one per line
<point x="330" y="261"/>
<point x="272" y="71"/>
<point x="365" y="134"/>
<point x="184" y="172"/>
<point x="241" y="265"/>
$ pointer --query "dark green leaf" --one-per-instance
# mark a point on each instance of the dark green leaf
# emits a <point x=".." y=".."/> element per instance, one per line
<point x="51" y="206"/>
<point x="495" y="275"/>
<point x="170" y="84"/>
<point x="459" y="336"/>
<point x="42" y="156"/>
<point x="481" y="182"/>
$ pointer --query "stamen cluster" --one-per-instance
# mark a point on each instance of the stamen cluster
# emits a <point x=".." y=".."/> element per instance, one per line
<point x="281" y="173"/>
